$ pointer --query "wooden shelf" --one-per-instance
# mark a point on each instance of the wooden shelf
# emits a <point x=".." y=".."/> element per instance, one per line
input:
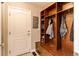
<point x="42" y="33"/>
<point x="42" y="15"/>
<point x="65" y="10"/>
<point x="51" y="15"/>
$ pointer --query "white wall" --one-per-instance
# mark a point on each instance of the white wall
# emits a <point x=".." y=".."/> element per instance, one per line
<point x="76" y="27"/>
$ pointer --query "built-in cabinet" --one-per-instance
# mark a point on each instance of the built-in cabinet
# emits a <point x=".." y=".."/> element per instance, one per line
<point x="61" y="14"/>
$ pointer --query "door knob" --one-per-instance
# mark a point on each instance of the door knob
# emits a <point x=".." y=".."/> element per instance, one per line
<point x="9" y="33"/>
<point x="28" y="30"/>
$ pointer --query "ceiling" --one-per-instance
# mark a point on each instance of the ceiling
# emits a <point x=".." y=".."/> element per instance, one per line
<point x="40" y="3"/>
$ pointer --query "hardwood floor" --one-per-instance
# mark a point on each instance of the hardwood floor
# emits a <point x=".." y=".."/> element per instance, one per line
<point x="49" y="50"/>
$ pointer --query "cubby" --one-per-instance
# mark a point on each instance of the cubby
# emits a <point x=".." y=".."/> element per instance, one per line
<point x="58" y="43"/>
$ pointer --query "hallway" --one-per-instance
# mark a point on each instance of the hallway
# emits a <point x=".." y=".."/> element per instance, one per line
<point x="45" y="28"/>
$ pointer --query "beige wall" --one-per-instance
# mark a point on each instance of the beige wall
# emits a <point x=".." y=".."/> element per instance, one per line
<point x="47" y="5"/>
<point x="36" y="32"/>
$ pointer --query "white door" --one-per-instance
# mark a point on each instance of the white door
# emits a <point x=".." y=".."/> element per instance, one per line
<point x="0" y="29"/>
<point x="19" y="31"/>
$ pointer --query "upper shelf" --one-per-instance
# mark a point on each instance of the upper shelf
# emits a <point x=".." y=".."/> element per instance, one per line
<point x="65" y="9"/>
<point x="57" y="8"/>
<point x="64" y="6"/>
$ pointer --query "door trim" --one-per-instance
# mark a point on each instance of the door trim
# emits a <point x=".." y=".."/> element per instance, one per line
<point x="12" y="7"/>
<point x="4" y="28"/>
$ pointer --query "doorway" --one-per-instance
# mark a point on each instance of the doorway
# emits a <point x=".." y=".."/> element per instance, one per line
<point x="19" y="30"/>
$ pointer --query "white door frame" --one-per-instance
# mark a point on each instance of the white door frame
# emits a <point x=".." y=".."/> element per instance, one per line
<point x="9" y="9"/>
<point x="0" y="30"/>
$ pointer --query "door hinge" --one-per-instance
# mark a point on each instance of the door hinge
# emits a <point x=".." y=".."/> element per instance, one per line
<point x="9" y="51"/>
<point x="9" y="14"/>
<point x="2" y="45"/>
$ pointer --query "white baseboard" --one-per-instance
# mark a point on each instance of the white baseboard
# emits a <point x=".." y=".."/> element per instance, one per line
<point x="76" y="53"/>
